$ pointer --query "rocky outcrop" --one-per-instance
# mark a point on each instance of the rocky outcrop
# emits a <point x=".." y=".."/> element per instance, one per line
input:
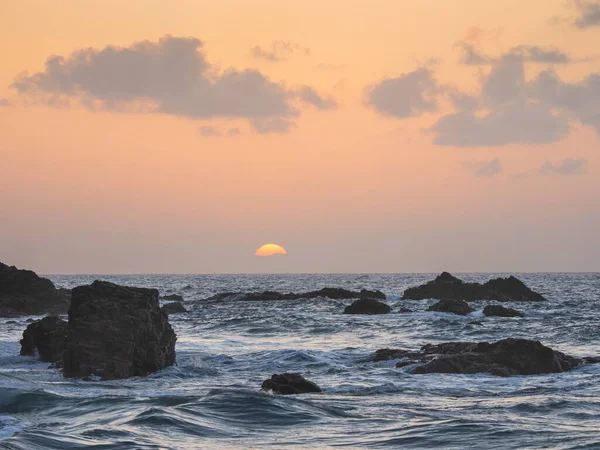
<point x="22" y="292"/>
<point x="447" y="305"/>
<point x="501" y="311"/>
<point x="289" y="383"/>
<point x="333" y="293"/>
<point x="174" y="308"/>
<point x="46" y="338"/>
<point x="117" y="332"/>
<point x="174" y="297"/>
<point x="367" y="306"/>
<point x="503" y="358"/>
<point x="446" y="286"/>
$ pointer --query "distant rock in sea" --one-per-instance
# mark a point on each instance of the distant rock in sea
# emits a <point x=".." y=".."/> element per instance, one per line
<point x="446" y="286"/>
<point x="174" y="297"/>
<point x="46" y="338"/>
<point x="452" y="306"/>
<point x="367" y="306"/>
<point x="501" y="311"/>
<point x="289" y="383"/>
<point x="117" y="332"/>
<point x="503" y="358"/>
<point x="174" y="308"/>
<point x="333" y="293"/>
<point x="22" y="292"/>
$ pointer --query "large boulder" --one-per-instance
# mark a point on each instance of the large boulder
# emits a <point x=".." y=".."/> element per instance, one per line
<point x="117" y="332"/>
<point x="446" y="286"/>
<point x="448" y="305"/>
<point x="503" y="358"/>
<point x="22" y="292"/>
<point x="501" y="311"/>
<point x="46" y="338"/>
<point x="367" y="306"/>
<point x="289" y="383"/>
<point x="174" y="308"/>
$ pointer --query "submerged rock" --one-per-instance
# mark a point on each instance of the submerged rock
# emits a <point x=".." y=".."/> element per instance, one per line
<point x="174" y="297"/>
<point x="22" y="292"/>
<point x="447" y="305"/>
<point x="503" y="358"/>
<point x="446" y="286"/>
<point x="501" y="311"/>
<point x="289" y="383"/>
<point x="367" y="306"/>
<point x="45" y="337"/>
<point x="117" y="332"/>
<point x="333" y="293"/>
<point x="174" y="308"/>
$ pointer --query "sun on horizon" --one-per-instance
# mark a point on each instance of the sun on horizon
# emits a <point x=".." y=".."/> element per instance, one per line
<point x="270" y="250"/>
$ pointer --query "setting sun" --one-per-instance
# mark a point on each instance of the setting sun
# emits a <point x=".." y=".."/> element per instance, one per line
<point x="270" y="250"/>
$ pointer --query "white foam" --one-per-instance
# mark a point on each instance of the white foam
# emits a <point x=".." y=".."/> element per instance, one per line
<point x="9" y="426"/>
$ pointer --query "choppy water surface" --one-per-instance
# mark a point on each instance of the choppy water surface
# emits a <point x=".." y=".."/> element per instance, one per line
<point x="211" y="399"/>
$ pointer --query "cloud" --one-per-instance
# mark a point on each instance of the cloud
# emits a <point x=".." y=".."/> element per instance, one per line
<point x="510" y="109"/>
<point x="485" y="168"/>
<point x="568" y="166"/>
<point x="271" y="125"/>
<point x="408" y="95"/>
<point x="471" y="56"/>
<point x="280" y="51"/>
<point x="309" y="95"/>
<point x="171" y="76"/>
<point x="5" y="102"/>
<point x="234" y="132"/>
<point x="589" y="14"/>
<point x="210" y="131"/>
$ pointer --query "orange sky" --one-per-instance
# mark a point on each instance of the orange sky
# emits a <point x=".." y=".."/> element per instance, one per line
<point x="345" y="188"/>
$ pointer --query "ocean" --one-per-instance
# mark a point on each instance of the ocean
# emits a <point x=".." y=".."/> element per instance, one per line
<point x="212" y="399"/>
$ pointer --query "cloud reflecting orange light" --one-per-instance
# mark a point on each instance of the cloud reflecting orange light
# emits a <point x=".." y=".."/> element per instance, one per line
<point x="270" y="250"/>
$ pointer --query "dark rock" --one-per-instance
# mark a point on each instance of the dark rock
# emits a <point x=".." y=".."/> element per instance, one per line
<point x="117" y="332"/>
<point x="175" y="297"/>
<point x="447" y="305"/>
<point x="367" y="306"/>
<point x="30" y="320"/>
<point x="22" y="292"/>
<point x="475" y="322"/>
<point x="289" y="383"/>
<point x="47" y="337"/>
<point x="404" y="309"/>
<point x="501" y="311"/>
<point x="592" y="359"/>
<point x="173" y="308"/>
<point x="385" y="354"/>
<point x="446" y="286"/>
<point x="10" y="322"/>
<point x="333" y="293"/>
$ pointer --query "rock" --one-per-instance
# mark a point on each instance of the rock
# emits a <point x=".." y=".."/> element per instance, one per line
<point x="47" y="337"/>
<point x="503" y="358"/>
<point x="404" y="310"/>
<point x="446" y="286"/>
<point x="289" y="383"/>
<point x="451" y="306"/>
<point x="30" y="320"/>
<point x="333" y="293"/>
<point x="475" y="322"/>
<point x="385" y="354"/>
<point x="501" y="311"/>
<point x="22" y="292"/>
<point x="367" y="306"/>
<point x="173" y="308"/>
<point x="175" y="297"/>
<point x="11" y="322"/>
<point x="117" y="332"/>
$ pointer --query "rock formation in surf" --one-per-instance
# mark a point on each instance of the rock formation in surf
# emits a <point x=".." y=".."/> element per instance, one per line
<point x="446" y="286"/>
<point x="503" y="358"/>
<point x="22" y="292"/>
<point x="117" y="332"/>
<point x="173" y="297"/>
<point x="367" y="306"/>
<point x="333" y="293"/>
<point x="46" y="338"/>
<point x="448" y="305"/>
<point x="501" y="311"/>
<point x="289" y="383"/>
<point x="174" y="308"/>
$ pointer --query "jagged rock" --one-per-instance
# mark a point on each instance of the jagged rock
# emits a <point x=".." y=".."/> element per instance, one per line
<point x="117" y="332"/>
<point x="22" y="292"/>
<point x="174" y="308"/>
<point x="501" y="311"/>
<point x="289" y="383"/>
<point x="367" y="306"/>
<point x="503" y="358"/>
<point x="174" y="297"/>
<point x="46" y="337"/>
<point x="451" y="306"/>
<point x="446" y="286"/>
<point x="333" y="293"/>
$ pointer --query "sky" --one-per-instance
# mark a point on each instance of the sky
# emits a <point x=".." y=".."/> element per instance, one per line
<point x="363" y="136"/>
